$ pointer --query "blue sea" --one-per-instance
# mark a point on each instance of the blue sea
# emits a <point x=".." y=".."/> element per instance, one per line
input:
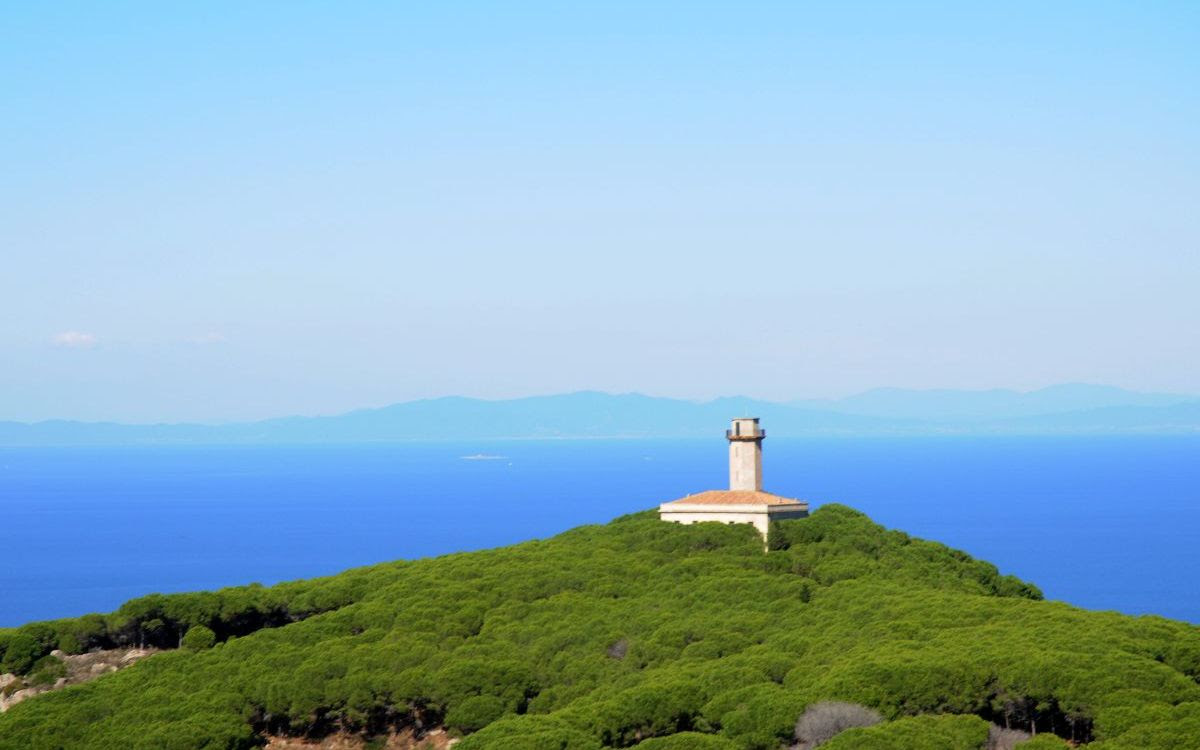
<point x="1103" y="523"/>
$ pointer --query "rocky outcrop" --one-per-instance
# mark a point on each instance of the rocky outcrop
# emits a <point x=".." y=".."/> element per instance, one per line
<point x="80" y="668"/>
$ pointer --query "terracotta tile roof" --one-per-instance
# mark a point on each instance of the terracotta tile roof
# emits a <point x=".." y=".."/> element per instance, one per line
<point x="735" y="497"/>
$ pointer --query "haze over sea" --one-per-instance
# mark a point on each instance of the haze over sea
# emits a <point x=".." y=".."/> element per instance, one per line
<point x="1100" y="522"/>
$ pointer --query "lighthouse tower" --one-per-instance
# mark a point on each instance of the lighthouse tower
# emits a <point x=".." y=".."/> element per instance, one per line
<point x="744" y="501"/>
<point x="745" y="454"/>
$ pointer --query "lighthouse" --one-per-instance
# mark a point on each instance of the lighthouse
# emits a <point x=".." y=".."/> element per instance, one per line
<point x="744" y="501"/>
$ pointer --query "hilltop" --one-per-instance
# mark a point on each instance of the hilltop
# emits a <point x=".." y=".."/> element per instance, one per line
<point x="636" y="633"/>
<point x="1076" y="409"/>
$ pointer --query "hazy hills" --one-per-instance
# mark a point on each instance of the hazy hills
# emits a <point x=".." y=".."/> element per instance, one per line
<point x="1060" y="409"/>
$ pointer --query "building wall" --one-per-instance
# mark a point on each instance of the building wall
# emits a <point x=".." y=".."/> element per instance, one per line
<point x="758" y="520"/>
<point x="758" y="516"/>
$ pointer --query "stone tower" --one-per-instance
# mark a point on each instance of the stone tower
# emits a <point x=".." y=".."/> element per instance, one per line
<point x="745" y="454"/>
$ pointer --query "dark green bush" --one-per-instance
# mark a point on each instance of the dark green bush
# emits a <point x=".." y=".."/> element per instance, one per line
<point x="474" y="713"/>
<point x="21" y="651"/>
<point x="689" y="741"/>
<point x="916" y="733"/>
<point x="68" y="643"/>
<point x="530" y="733"/>
<point x="47" y="670"/>
<point x="198" y="638"/>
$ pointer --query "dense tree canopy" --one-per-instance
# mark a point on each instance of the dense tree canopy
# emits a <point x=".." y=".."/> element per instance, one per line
<point x="635" y="633"/>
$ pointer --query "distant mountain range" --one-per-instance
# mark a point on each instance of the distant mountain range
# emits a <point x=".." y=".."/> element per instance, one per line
<point x="1062" y="409"/>
<point x="996" y="404"/>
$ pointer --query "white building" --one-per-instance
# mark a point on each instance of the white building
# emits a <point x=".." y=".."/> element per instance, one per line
<point x="744" y="501"/>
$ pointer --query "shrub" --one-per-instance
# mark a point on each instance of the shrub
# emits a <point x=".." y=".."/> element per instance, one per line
<point x="688" y="741"/>
<point x="937" y="732"/>
<point x="777" y="539"/>
<point x="475" y="713"/>
<point x="68" y="643"/>
<point x="199" y="637"/>
<point x="22" y="651"/>
<point x="529" y="732"/>
<point x="47" y="670"/>
<point x="821" y="721"/>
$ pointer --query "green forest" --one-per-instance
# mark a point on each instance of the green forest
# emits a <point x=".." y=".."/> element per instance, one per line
<point x="635" y="633"/>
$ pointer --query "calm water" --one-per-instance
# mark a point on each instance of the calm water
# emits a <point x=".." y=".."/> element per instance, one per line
<point x="1102" y="523"/>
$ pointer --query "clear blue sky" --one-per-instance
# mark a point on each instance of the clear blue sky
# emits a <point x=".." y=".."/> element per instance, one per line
<point x="233" y="210"/>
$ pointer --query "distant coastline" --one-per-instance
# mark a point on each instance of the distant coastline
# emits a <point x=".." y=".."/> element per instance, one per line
<point x="1059" y="410"/>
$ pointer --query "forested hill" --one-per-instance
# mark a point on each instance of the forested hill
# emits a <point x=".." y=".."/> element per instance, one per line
<point x="636" y="633"/>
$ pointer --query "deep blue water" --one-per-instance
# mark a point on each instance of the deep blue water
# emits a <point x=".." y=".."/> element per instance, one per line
<point x="1104" y="523"/>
